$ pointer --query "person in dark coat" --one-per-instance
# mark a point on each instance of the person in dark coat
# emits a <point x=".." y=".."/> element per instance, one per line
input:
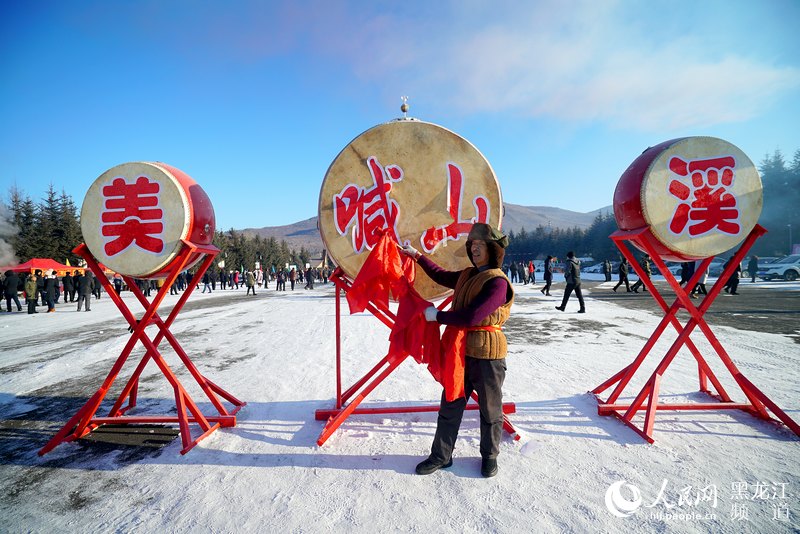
<point x="40" y="286"/>
<point x="206" y="282"/>
<point x="11" y="289"/>
<point x="623" y="275"/>
<point x="645" y="263"/>
<point x="733" y="281"/>
<point x="50" y="282"/>
<point x="548" y="275"/>
<point x="687" y="271"/>
<point x="57" y="294"/>
<point x="97" y="287"/>
<point x="607" y="270"/>
<point x="752" y="268"/>
<point x="69" y="288"/>
<point x="482" y="301"/>
<point x="84" y="284"/>
<point x="572" y="275"/>
<point x="118" y="284"/>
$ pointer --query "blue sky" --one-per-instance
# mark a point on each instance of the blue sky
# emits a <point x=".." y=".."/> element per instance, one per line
<point x="254" y="99"/>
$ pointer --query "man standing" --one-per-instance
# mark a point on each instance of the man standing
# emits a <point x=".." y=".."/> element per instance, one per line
<point x="50" y="291"/>
<point x="85" y="287"/>
<point x="572" y="275"/>
<point x="69" y="288"/>
<point x="607" y="269"/>
<point x="645" y="263"/>
<point x="482" y="300"/>
<point x="31" y="292"/>
<point x="10" y="292"/>
<point x="752" y="268"/>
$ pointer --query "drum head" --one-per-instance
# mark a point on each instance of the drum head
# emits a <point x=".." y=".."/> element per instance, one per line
<point x="134" y="217"/>
<point x="422" y="182"/>
<point x="700" y="196"/>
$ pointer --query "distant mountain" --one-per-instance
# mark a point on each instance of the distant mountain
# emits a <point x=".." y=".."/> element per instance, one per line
<point x="529" y="217"/>
<point x="305" y="233"/>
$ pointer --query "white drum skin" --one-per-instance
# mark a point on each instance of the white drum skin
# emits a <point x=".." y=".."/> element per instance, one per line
<point x="135" y="216"/>
<point x="423" y="182"/>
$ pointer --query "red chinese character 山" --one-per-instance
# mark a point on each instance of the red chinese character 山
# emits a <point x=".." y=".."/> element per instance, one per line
<point x="131" y="216"/>
<point x="455" y="187"/>
<point x="706" y="202"/>
<point x="369" y="211"/>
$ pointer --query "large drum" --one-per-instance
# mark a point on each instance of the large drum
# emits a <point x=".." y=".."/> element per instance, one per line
<point x="699" y="196"/>
<point x="422" y="182"/>
<point x="135" y="215"/>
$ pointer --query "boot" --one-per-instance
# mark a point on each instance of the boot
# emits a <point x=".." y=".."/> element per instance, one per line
<point x="582" y="310"/>
<point x="429" y="465"/>
<point x="559" y="308"/>
<point x="489" y="467"/>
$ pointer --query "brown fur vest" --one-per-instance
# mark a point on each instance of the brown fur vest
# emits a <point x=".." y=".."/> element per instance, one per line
<point x="483" y="344"/>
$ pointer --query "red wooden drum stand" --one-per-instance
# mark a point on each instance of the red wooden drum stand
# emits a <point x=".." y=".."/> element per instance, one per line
<point x="356" y="393"/>
<point x="757" y="402"/>
<point x="85" y="420"/>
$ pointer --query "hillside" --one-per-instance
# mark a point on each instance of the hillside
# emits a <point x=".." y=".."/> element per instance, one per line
<point x="305" y="234"/>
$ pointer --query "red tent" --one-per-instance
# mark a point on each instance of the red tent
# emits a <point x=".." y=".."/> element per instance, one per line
<point x="45" y="264"/>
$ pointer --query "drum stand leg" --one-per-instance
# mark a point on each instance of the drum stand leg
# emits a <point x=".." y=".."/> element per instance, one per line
<point x="84" y="421"/>
<point x="758" y="401"/>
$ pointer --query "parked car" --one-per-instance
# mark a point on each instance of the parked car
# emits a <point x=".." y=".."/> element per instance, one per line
<point x="787" y="268"/>
<point x="762" y="264"/>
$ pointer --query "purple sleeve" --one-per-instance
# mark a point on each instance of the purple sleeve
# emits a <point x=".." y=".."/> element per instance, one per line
<point x="441" y="276"/>
<point x="492" y="296"/>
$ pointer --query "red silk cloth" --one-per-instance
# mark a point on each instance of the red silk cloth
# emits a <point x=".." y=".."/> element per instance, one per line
<point x="385" y="272"/>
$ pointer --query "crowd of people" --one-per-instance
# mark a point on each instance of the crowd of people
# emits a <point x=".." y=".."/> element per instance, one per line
<point x="47" y="289"/>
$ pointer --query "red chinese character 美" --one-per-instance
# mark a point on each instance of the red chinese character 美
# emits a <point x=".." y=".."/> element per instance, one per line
<point x="132" y="216"/>
<point x="706" y="200"/>
<point x="369" y="210"/>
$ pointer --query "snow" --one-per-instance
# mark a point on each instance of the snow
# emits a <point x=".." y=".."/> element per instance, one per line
<point x="276" y="351"/>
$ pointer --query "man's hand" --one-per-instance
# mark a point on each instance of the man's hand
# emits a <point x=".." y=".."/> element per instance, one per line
<point x="430" y="314"/>
<point x="408" y="250"/>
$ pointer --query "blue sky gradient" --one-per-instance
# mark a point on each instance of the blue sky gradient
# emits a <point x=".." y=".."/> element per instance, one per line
<point x="255" y="99"/>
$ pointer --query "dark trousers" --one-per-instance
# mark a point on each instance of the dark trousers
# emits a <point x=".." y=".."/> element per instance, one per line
<point x="486" y="378"/>
<point x="84" y="298"/>
<point x="547" y="283"/>
<point x="32" y="305"/>
<point x="623" y="280"/>
<point x="568" y="291"/>
<point x="15" y="298"/>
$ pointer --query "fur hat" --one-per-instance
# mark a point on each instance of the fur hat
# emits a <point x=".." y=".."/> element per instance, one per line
<point x="485" y="232"/>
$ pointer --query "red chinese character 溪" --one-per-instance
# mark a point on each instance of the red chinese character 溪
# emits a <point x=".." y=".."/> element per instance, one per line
<point x="132" y="216"/>
<point x="368" y="210"/>
<point x="706" y="203"/>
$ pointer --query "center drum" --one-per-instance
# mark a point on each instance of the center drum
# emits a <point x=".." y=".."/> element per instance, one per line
<point x="417" y="180"/>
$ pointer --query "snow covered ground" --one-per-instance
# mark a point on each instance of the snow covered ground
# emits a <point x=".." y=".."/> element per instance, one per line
<point x="572" y="471"/>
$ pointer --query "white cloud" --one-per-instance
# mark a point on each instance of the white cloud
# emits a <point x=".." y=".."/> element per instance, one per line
<point x="578" y="61"/>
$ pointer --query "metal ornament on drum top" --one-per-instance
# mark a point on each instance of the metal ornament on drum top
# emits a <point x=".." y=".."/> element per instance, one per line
<point x="699" y="196"/>
<point x="135" y="216"/>
<point x="421" y="182"/>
